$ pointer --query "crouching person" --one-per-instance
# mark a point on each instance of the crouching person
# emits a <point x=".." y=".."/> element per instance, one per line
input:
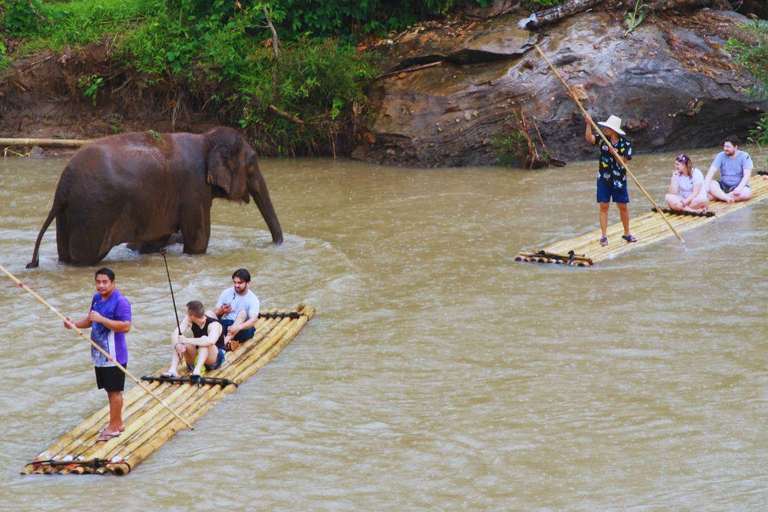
<point x="205" y="349"/>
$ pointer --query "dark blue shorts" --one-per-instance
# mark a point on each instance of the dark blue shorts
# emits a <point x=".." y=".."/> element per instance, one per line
<point x="243" y="335"/>
<point x="726" y="189"/>
<point x="607" y="192"/>
<point x="219" y="361"/>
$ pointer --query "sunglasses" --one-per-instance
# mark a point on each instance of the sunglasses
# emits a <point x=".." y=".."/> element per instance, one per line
<point x="682" y="158"/>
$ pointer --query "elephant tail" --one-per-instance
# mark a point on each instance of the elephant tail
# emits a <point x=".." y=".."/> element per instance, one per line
<point x="55" y="210"/>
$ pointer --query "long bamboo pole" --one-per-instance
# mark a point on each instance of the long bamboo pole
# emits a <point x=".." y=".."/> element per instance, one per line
<point x="79" y="332"/>
<point x="69" y="143"/>
<point x="607" y="142"/>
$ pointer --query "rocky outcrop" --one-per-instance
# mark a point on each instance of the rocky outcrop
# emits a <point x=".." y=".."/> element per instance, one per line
<point x="671" y="81"/>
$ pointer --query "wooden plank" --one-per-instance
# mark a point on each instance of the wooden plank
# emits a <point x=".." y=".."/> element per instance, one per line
<point x="648" y="228"/>
<point x="148" y="424"/>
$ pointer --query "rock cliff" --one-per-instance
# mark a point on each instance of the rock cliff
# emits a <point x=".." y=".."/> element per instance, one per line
<point x="671" y="81"/>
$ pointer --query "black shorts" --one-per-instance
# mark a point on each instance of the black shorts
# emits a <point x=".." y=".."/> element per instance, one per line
<point x="110" y="378"/>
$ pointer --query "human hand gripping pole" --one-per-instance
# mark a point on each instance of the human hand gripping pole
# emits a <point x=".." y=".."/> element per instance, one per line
<point x="78" y="331"/>
<point x="615" y="154"/>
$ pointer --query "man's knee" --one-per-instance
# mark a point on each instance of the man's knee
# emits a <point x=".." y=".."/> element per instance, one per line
<point x="604" y="206"/>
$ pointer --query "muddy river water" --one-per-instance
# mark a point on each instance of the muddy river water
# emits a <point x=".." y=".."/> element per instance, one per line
<point x="438" y="373"/>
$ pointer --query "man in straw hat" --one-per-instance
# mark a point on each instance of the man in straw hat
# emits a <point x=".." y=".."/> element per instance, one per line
<point x="611" y="176"/>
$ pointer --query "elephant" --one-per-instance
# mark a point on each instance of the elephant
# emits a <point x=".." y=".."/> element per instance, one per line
<point x="145" y="187"/>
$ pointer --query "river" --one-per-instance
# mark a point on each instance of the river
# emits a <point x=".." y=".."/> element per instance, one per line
<point x="438" y="374"/>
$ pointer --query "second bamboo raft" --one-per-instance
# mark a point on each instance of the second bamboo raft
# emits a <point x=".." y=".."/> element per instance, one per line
<point x="148" y="424"/>
<point x="585" y="250"/>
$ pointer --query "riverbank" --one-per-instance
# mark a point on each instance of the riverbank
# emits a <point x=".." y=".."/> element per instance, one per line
<point x="448" y="92"/>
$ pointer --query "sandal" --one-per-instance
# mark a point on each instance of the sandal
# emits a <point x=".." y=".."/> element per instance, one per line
<point x="604" y="241"/>
<point x="629" y="238"/>
<point x="168" y="375"/>
<point x="106" y="436"/>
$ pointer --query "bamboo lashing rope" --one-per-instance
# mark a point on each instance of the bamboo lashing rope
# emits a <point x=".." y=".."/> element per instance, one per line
<point x="608" y="143"/>
<point x="78" y="331"/>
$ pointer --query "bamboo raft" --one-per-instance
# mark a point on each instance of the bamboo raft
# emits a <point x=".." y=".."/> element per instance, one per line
<point x="148" y="424"/>
<point x="585" y="250"/>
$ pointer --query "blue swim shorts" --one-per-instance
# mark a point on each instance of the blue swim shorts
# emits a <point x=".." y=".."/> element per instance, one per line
<point x="607" y="192"/>
<point x="219" y="361"/>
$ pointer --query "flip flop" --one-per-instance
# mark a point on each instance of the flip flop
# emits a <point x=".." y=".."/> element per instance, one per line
<point x="106" y="436"/>
<point x="105" y="428"/>
<point x="629" y="238"/>
<point x="604" y="241"/>
<point x="169" y="374"/>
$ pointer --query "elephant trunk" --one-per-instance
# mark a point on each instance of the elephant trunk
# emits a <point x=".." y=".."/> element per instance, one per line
<point x="257" y="187"/>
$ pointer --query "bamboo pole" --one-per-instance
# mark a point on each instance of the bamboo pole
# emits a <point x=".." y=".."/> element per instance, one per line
<point x="64" y="143"/>
<point x="608" y="143"/>
<point x="80" y="333"/>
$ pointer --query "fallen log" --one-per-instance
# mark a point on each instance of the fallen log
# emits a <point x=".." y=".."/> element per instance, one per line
<point x="69" y="143"/>
<point x="555" y="14"/>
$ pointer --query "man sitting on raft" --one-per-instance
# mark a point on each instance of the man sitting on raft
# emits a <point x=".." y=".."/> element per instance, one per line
<point x="686" y="191"/>
<point x="238" y="310"/>
<point x="735" y="169"/>
<point x="205" y="350"/>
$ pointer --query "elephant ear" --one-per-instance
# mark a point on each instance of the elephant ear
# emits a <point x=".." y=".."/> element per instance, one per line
<point x="220" y="169"/>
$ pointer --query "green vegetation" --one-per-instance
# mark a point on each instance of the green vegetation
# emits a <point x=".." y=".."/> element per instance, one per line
<point x="538" y="5"/>
<point x="286" y="71"/>
<point x="519" y="143"/>
<point x="752" y="55"/>
<point x="633" y="18"/>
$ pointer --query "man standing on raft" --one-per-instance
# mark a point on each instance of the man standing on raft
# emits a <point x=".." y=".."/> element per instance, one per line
<point x="611" y="176"/>
<point x="109" y="320"/>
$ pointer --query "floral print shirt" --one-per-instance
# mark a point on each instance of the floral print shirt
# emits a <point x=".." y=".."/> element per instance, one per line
<point x="610" y="172"/>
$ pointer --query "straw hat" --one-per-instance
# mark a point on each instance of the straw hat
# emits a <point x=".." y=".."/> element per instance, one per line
<point x="614" y="123"/>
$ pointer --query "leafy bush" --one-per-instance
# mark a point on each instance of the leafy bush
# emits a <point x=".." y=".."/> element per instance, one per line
<point x="19" y="16"/>
<point x="219" y="53"/>
<point x="752" y="55"/>
<point x="539" y="5"/>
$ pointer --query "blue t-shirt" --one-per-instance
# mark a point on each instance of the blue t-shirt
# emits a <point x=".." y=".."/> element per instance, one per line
<point x="732" y="169"/>
<point x="116" y="307"/>
<point x="248" y="303"/>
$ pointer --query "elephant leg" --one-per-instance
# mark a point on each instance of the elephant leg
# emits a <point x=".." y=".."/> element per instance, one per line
<point x="91" y="237"/>
<point x="196" y="230"/>
<point x="87" y="251"/>
<point x="62" y="238"/>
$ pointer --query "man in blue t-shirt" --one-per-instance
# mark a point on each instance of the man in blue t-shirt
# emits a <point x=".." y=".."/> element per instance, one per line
<point x="238" y="310"/>
<point x="109" y="319"/>
<point x="735" y="169"/>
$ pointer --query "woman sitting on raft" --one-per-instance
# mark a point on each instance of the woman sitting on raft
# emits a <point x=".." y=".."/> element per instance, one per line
<point x="685" y="193"/>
